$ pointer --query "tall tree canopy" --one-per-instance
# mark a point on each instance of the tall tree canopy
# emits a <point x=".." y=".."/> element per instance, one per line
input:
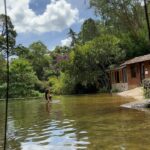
<point x="21" y="51"/>
<point x="86" y="67"/>
<point x="11" y="33"/>
<point x="38" y="57"/>
<point x="124" y="15"/>
<point x="89" y="30"/>
<point x="73" y="36"/>
<point x="125" y="19"/>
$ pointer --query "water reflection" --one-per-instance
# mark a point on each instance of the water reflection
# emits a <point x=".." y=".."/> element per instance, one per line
<point x="36" y="125"/>
<point x="48" y="107"/>
<point x="54" y="135"/>
<point x="81" y="122"/>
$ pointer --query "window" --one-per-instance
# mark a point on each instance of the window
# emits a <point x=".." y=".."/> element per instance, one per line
<point x="133" y="71"/>
<point x="117" y="77"/>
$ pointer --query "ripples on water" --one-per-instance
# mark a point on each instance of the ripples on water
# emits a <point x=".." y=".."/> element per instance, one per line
<point x="54" y="135"/>
<point x="92" y="122"/>
<point x="37" y="128"/>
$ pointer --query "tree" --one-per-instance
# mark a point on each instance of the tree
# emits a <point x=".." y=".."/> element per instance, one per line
<point x="21" y="51"/>
<point x="126" y="20"/>
<point x="11" y="34"/>
<point x="22" y="78"/>
<point x="39" y="58"/>
<point x="123" y="15"/>
<point x="2" y="76"/>
<point x="134" y="47"/>
<point x="73" y="36"/>
<point x="2" y="69"/>
<point x="58" y="56"/>
<point x="147" y="17"/>
<point x="89" y="30"/>
<point x="87" y="65"/>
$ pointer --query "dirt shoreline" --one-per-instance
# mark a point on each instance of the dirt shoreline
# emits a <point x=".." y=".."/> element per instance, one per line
<point x="140" y="102"/>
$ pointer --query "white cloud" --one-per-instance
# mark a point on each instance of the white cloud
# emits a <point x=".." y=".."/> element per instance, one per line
<point x="81" y="20"/>
<point x="66" y="42"/>
<point x="58" y="15"/>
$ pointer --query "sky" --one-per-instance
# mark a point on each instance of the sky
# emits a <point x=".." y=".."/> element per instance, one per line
<point x="47" y="20"/>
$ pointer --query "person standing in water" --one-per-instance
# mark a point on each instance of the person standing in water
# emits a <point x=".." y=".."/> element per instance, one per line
<point x="48" y="95"/>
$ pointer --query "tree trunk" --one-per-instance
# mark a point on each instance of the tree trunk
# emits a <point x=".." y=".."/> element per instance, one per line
<point x="147" y="18"/>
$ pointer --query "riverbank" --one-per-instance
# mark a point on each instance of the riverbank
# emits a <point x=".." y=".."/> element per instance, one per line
<point x="136" y="93"/>
<point x="140" y="102"/>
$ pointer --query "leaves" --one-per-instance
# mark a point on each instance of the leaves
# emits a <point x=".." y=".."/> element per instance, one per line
<point x="22" y="78"/>
<point x="88" y="63"/>
<point x="11" y="33"/>
<point x="89" y="30"/>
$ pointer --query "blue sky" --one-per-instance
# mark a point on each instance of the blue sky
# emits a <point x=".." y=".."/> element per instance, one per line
<point x="47" y="20"/>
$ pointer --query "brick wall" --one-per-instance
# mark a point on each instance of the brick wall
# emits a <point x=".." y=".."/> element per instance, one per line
<point x="135" y="82"/>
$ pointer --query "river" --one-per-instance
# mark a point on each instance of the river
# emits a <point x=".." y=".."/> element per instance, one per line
<point x="92" y="122"/>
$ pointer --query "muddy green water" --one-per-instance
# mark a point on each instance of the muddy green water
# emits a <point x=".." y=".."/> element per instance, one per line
<point x="93" y="122"/>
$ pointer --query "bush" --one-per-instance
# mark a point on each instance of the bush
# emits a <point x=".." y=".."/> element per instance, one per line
<point x="3" y="90"/>
<point x="103" y="90"/>
<point x="35" y="94"/>
<point x="146" y="87"/>
<point x="55" y="83"/>
<point x="41" y="86"/>
<point x="22" y="79"/>
<point x="146" y="83"/>
<point x="115" y="90"/>
<point x="62" y="84"/>
<point x="147" y="93"/>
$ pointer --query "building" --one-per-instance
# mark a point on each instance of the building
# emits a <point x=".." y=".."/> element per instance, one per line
<point x="131" y="73"/>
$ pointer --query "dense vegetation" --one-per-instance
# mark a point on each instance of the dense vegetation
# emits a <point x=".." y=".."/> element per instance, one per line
<point x="146" y="88"/>
<point x="120" y="34"/>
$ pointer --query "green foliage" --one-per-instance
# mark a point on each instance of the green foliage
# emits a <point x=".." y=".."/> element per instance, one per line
<point x="2" y="69"/>
<point x="73" y="36"/>
<point x="21" y="51"/>
<point x="103" y="90"/>
<point x="89" y="30"/>
<point x="62" y="85"/>
<point x="11" y="33"/>
<point x="22" y="79"/>
<point x="135" y="47"/>
<point x="115" y="90"/>
<point x="123" y="16"/>
<point x="146" y="87"/>
<point x="126" y="20"/>
<point x="146" y="93"/>
<point x="2" y="77"/>
<point x="146" y="83"/>
<point x="39" y="59"/>
<point x="87" y="63"/>
<point x="120" y="34"/>
<point x="2" y="90"/>
<point x="41" y="86"/>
